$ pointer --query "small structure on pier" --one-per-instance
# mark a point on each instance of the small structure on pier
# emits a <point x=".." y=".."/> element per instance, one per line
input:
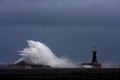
<point x="94" y="62"/>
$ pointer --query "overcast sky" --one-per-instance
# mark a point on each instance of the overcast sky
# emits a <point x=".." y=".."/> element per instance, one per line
<point x="60" y="12"/>
<point x="21" y="20"/>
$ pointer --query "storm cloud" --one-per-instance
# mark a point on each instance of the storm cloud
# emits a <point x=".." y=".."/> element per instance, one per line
<point x="60" y="12"/>
<point x="73" y="41"/>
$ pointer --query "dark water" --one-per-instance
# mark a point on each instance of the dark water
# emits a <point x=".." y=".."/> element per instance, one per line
<point x="74" y="42"/>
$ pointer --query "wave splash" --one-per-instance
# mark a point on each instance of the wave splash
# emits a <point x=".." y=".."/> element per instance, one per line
<point x="39" y="54"/>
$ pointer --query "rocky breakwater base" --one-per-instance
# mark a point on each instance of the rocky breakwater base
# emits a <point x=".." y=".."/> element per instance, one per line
<point x="61" y="74"/>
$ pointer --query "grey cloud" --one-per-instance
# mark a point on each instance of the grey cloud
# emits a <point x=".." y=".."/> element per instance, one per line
<point x="60" y="12"/>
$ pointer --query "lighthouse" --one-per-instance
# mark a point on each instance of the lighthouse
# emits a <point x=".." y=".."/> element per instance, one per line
<point x="94" y="63"/>
<point x="94" y="59"/>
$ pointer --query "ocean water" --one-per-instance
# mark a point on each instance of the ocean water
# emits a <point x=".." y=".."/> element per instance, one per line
<point x="73" y="42"/>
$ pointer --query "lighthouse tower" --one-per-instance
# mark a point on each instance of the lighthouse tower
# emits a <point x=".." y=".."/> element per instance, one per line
<point x="94" y="59"/>
<point x="94" y="63"/>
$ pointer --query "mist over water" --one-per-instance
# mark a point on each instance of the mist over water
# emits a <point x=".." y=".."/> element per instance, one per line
<point x="38" y="53"/>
